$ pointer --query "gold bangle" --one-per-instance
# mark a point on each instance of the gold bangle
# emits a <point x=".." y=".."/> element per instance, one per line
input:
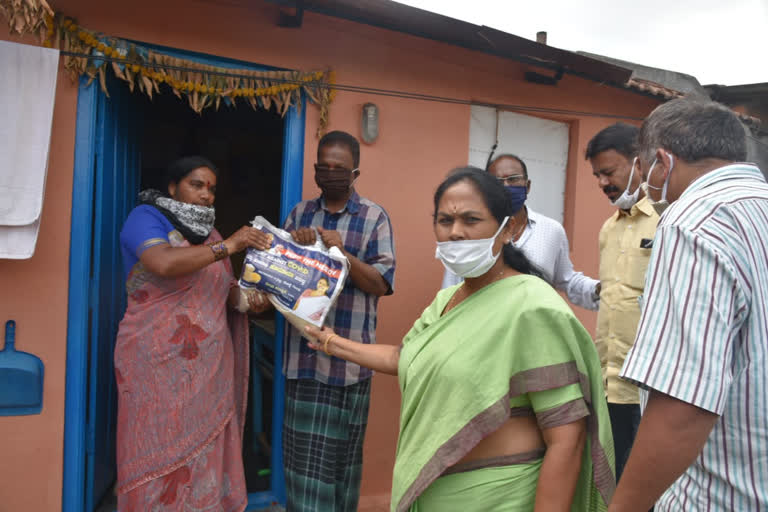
<point x="325" y="345"/>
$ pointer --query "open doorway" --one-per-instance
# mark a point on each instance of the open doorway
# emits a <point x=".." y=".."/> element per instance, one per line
<point x="245" y="144"/>
<point x="124" y="143"/>
<point x="247" y="147"/>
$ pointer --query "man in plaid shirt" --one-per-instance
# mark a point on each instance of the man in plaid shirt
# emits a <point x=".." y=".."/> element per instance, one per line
<point x="326" y="398"/>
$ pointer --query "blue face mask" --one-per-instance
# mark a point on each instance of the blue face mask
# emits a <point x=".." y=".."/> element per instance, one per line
<point x="517" y="194"/>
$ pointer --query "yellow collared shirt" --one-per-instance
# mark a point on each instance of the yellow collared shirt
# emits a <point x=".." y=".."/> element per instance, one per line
<point x="624" y="255"/>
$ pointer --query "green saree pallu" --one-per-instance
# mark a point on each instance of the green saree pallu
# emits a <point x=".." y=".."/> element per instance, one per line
<point x="512" y="348"/>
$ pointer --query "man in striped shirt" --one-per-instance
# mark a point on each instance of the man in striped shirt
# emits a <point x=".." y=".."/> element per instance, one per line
<point x="702" y="344"/>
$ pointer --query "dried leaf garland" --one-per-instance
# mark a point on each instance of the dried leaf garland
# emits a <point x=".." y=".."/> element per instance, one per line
<point x="25" y="16"/>
<point x="203" y="86"/>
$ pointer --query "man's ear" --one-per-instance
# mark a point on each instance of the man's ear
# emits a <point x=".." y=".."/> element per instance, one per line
<point x="528" y="187"/>
<point x="665" y="160"/>
<point x="172" y="189"/>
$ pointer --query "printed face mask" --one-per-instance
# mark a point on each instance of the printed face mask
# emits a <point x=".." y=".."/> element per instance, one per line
<point x="469" y="258"/>
<point x="662" y="203"/>
<point x="626" y="200"/>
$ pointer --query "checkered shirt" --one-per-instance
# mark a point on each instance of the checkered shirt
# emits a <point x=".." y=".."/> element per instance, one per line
<point x="366" y="232"/>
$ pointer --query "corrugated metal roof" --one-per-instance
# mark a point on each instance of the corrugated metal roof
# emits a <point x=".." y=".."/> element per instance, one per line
<point x="753" y="96"/>
<point x="418" y="22"/>
<point x="738" y="92"/>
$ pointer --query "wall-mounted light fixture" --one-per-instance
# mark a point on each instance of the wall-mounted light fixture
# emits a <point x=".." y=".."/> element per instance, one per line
<point x="369" y="125"/>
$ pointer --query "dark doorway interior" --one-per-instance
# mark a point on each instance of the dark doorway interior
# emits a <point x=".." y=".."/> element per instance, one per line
<point x="247" y="147"/>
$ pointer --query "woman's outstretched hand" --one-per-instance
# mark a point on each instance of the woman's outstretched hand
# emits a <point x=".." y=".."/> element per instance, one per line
<point x="246" y="237"/>
<point x="381" y="358"/>
<point x="318" y="338"/>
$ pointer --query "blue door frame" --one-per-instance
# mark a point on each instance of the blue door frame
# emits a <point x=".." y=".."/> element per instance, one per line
<point x="84" y="211"/>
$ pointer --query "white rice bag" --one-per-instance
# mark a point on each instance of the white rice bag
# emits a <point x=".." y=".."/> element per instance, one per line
<point x="303" y="281"/>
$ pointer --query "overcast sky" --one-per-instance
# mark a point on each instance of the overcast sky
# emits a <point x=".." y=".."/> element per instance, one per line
<point x="717" y="41"/>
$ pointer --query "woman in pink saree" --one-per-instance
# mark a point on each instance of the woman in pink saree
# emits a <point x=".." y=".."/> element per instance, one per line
<point x="181" y="356"/>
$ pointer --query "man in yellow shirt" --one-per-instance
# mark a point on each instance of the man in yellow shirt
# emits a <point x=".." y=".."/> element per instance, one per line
<point x="626" y="239"/>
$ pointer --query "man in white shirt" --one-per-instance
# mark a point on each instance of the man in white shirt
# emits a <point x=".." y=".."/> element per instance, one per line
<point x="541" y="239"/>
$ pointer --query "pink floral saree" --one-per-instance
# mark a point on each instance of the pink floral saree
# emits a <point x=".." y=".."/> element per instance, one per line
<point x="181" y="365"/>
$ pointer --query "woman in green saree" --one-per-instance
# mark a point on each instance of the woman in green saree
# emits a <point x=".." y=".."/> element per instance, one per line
<point x="503" y="407"/>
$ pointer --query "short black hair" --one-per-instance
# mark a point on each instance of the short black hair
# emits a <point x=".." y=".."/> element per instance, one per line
<point x="498" y="202"/>
<point x="179" y="169"/>
<point x="513" y="157"/>
<point x="344" y="139"/>
<point x="620" y="137"/>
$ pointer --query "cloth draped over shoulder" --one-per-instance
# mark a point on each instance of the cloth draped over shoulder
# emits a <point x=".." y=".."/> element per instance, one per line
<point x="181" y="365"/>
<point x="459" y="372"/>
<point x="193" y="221"/>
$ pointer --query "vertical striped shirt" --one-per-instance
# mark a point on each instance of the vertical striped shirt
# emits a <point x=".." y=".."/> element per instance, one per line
<point x="366" y="232"/>
<point x="703" y="334"/>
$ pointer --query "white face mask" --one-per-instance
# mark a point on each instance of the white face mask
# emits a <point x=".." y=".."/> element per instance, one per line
<point x="626" y="200"/>
<point x="469" y="258"/>
<point x="662" y="203"/>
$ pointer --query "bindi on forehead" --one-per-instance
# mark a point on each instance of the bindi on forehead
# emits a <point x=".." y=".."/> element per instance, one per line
<point x="458" y="210"/>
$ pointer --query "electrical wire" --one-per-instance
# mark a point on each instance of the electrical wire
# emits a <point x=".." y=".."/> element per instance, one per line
<point x="392" y="93"/>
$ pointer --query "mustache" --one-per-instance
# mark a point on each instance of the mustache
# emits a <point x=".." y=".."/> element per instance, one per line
<point x="610" y="189"/>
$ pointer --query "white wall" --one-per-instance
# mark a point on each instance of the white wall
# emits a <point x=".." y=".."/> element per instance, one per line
<point x="542" y="144"/>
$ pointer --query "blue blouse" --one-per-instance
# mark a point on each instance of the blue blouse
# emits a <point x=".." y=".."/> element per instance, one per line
<point x="145" y="227"/>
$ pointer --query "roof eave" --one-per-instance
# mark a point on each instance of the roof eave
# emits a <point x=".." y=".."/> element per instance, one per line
<point x="417" y="22"/>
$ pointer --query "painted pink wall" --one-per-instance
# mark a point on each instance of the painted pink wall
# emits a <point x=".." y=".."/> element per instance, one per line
<point x="34" y="293"/>
<point x="419" y="142"/>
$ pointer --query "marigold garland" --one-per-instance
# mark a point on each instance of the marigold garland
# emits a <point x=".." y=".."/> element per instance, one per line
<point x="204" y="86"/>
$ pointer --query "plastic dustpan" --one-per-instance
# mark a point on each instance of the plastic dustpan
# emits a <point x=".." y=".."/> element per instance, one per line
<point x="21" y="378"/>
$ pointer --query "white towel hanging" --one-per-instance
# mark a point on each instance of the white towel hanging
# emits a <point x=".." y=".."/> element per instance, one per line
<point x="28" y="82"/>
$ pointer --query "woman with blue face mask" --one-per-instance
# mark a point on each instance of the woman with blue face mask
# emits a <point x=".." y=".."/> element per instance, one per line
<point x="503" y="406"/>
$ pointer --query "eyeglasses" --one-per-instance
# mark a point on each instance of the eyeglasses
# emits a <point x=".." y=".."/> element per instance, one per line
<point x="324" y="169"/>
<point x="511" y="179"/>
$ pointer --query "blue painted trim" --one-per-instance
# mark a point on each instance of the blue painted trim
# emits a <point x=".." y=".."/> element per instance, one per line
<point x="290" y="195"/>
<point x="293" y="158"/>
<point x="262" y="500"/>
<point x="73" y="491"/>
<point x="73" y="494"/>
